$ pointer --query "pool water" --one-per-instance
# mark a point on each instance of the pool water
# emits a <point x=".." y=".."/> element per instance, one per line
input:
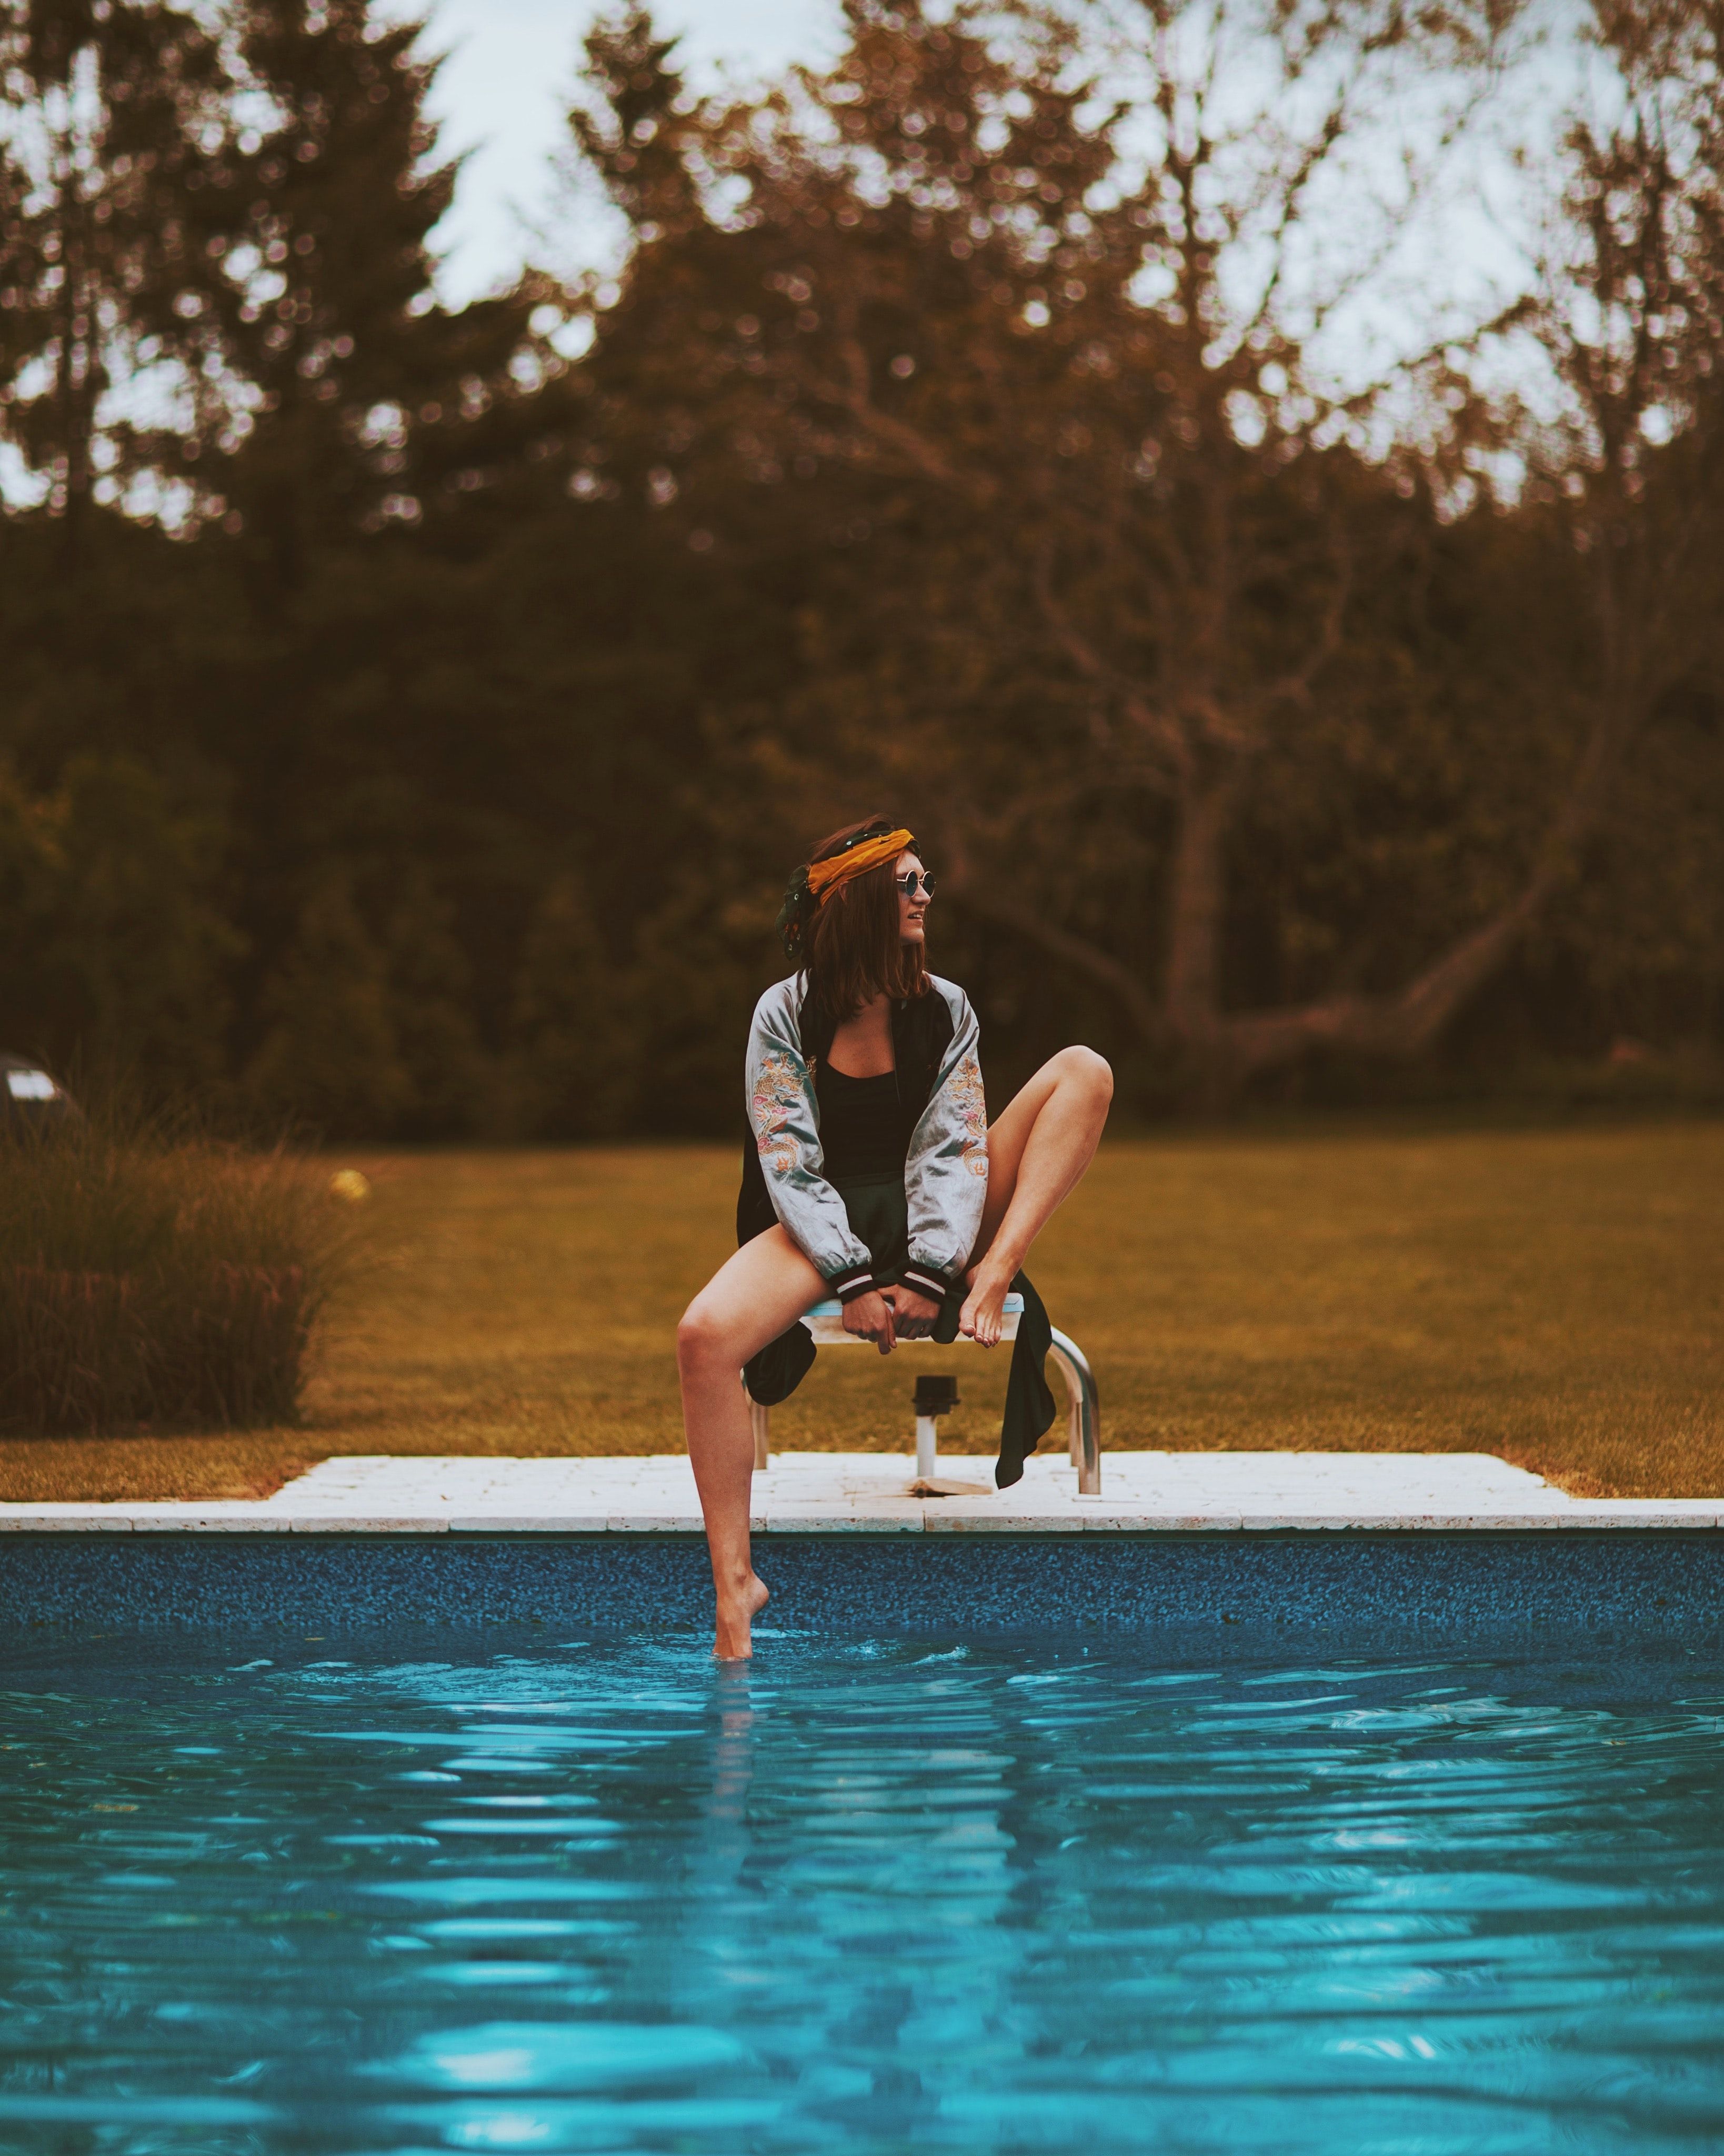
<point x="432" y="1891"/>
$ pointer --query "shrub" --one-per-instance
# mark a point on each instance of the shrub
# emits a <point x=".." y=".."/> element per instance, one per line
<point x="151" y="1277"/>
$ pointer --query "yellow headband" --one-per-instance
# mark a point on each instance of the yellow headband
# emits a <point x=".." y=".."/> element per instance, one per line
<point x="825" y="877"/>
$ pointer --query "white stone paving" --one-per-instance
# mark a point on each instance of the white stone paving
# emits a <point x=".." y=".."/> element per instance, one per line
<point x="837" y="1492"/>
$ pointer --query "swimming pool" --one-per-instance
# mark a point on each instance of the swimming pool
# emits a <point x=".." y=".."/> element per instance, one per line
<point x="419" y="1889"/>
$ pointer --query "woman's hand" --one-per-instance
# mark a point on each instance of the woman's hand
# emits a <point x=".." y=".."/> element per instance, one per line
<point x="913" y="1315"/>
<point x="870" y="1317"/>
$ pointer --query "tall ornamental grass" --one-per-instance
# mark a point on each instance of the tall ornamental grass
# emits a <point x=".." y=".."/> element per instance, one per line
<point x="150" y="1278"/>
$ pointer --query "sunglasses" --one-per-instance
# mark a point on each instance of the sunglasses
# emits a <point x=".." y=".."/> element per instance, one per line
<point x="918" y="880"/>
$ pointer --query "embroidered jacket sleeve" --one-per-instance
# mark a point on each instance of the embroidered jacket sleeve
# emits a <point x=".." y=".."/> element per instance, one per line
<point x="946" y="1175"/>
<point x="785" y="1119"/>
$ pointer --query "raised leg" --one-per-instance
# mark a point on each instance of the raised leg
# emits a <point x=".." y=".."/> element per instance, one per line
<point x="1037" y="1153"/>
<point x="749" y="1300"/>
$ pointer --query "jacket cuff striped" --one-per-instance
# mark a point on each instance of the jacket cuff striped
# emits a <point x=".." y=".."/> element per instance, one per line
<point x="929" y="1280"/>
<point x="852" y="1281"/>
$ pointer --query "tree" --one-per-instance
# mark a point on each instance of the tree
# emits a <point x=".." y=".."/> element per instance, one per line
<point x="331" y="1055"/>
<point x="376" y="428"/>
<point x="365" y="394"/>
<point x="574" y="1064"/>
<point x="1139" y="490"/>
<point x="957" y="439"/>
<point x="121" y="114"/>
<point x="431" y="1000"/>
<point x="118" y="952"/>
<point x="1629" y="315"/>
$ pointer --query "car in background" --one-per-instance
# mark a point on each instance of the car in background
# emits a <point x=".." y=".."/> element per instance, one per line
<point x="31" y="1099"/>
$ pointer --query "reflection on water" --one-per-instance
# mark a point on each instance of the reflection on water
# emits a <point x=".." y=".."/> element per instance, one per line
<point x="868" y="1896"/>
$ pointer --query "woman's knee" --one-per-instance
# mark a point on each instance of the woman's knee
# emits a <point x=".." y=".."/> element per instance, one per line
<point x="1084" y="1067"/>
<point x="700" y="1338"/>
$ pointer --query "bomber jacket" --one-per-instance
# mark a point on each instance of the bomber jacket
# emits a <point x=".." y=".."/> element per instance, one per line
<point x="934" y="1041"/>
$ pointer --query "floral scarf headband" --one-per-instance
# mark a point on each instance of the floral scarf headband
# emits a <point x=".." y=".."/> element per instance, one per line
<point x="815" y="881"/>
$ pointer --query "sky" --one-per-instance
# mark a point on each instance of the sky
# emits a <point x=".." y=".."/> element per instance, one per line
<point x="504" y="90"/>
<point x="505" y="87"/>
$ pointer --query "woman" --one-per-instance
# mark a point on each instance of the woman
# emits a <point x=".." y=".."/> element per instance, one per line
<point x="874" y="1176"/>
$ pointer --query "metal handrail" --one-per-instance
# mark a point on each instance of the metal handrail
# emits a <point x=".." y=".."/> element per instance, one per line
<point x="1082" y="1428"/>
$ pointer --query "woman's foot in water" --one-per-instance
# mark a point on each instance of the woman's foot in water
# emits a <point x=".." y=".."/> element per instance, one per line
<point x="738" y="1606"/>
<point x="983" y="1316"/>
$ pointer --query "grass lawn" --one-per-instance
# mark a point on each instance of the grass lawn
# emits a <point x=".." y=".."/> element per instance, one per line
<point x="1552" y="1295"/>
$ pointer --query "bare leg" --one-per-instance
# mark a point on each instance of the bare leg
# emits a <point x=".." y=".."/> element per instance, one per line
<point x="749" y="1300"/>
<point x="1037" y="1153"/>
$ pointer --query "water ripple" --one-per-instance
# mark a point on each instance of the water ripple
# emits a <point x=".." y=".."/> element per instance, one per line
<point x="878" y="1895"/>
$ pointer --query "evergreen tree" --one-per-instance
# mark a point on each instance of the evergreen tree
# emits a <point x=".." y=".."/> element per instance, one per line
<point x="572" y="1064"/>
<point x="369" y="394"/>
<point x="32" y="867"/>
<point x="330" y="1057"/>
<point x="384" y="428"/>
<point x="117" y="952"/>
<point x="123" y="112"/>
<point x="142" y="950"/>
<point x="431" y="1002"/>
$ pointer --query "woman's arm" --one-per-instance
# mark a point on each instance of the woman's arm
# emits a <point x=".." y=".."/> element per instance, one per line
<point x="785" y="1119"/>
<point x="945" y="1176"/>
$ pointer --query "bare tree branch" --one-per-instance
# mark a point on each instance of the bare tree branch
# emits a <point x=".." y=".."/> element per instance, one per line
<point x="1032" y="923"/>
<point x="1152" y="725"/>
<point x="1295" y="685"/>
<point x="1404" y="1024"/>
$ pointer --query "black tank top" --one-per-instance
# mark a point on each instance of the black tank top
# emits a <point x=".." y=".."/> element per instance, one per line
<point x="863" y="1132"/>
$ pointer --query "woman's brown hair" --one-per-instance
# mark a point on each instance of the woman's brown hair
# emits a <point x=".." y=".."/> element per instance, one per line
<point x="851" y="950"/>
